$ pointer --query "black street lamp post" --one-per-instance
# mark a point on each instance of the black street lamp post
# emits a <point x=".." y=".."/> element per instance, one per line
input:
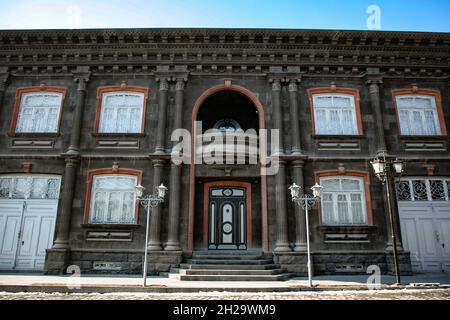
<point x="307" y="202"/>
<point x="385" y="170"/>
<point x="149" y="201"/>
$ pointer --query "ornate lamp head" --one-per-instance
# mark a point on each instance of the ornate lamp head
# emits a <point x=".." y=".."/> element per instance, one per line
<point x="378" y="166"/>
<point x="317" y="190"/>
<point x="295" y="190"/>
<point x="161" y="191"/>
<point x="139" y="191"/>
<point x="399" y="166"/>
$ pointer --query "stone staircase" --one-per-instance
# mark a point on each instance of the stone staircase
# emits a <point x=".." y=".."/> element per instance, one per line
<point x="229" y="266"/>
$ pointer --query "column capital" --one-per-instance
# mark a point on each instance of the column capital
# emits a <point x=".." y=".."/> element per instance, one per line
<point x="180" y="83"/>
<point x="4" y="77"/>
<point x="276" y="84"/>
<point x="158" y="162"/>
<point x="72" y="162"/>
<point x="297" y="163"/>
<point x="81" y="82"/>
<point x="374" y="81"/>
<point x="293" y="87"/>
<point x="163" y="84"/>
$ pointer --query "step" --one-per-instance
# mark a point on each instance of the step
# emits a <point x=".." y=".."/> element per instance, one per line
<point x="226" y="257"/>
<point x="229" y="261"/>
<point x="277" y="277"/>
<point x="228" y="252"/>
<point x="229" y="266"/>
<point x="218" y="272"/>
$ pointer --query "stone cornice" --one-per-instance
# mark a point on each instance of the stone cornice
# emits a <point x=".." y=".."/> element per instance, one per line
<point x="177" y="53"/>
<point x="250" y="32"/>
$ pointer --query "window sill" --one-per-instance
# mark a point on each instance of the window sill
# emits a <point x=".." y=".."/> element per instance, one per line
<point x="33" y="134"/>
<point x="118" y="135"/>
<point x="110" y="226"/>
<point x="436" y="138"/>
<point x="337" y="137"/>
<point x="346" y="228"/>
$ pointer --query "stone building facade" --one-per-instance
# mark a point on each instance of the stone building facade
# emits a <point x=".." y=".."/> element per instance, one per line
<point x="87" y="114"/>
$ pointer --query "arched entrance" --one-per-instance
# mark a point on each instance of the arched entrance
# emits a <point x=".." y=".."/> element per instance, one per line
<point x="219" y="115"/>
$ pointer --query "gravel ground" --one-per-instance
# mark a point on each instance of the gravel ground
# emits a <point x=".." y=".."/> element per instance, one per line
<point x="405" y="294"/>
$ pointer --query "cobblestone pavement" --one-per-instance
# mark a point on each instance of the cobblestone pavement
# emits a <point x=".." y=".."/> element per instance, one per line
<point x="403" y="294"/>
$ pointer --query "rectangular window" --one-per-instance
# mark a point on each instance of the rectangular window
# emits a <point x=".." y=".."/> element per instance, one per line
<point x="423" y="189"/>
<point x="334" y="114"/>
<point x="39" y="112"/>
<point x="121" y="112"/>
<point x="29" y="186"/>
<point x="343" y="201"/>
<point x="418" y="115"/>
<point x="113" y="199"/>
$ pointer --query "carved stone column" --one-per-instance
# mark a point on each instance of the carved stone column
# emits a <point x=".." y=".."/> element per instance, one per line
<point x="154" y="243"/>
<point x="65" y="214"/>
<point x="72" y="160"/>
<point x="74" y="146"/>
<point x="4" y="75"/>
<point x="282" y="243"/>
<point x="162" y="115"/>
<point x="58" y="256"/>
<point x="277" y="112"/>
<point x="295" y="128"/>
<point x="300" y="230"/>
<point x="374" y="94"/>
<point x="173" y="241"/>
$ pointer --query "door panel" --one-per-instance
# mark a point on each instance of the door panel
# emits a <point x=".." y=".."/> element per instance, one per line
<point x="227" y="218"/>
<point x="426" y="234"/>
<point x="38" y="228"/>
<point x="411" y="242"/>
<point x="10" y="219"/>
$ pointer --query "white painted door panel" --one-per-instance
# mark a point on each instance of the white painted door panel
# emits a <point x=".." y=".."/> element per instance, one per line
<point x="10" y="220"/>
<point x="38" y="228"/>
<point x="411" y="242"/>
<point x="426" y="234"/>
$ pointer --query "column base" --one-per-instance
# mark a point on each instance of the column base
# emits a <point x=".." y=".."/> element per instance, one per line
<point x="61" y="244"/>
<point x="154" y="247"/>
<point x="56" y="261"/>
<point x="300" y="247"/>
<point x="404" y="263"/>
<point x="172" y="246"/>
<point x="282" y="247"/>
<point x="389" y="248"/>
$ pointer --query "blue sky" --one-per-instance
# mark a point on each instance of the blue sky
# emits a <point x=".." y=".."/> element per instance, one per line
<point x="412" y="15"/>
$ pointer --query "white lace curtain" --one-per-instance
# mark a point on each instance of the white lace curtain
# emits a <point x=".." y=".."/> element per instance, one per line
<point x="343" y="201"/>
<point x="122" y="112"/>
<point x="39" y="112"/>
<point x="418" y="115"/>
<point x="335" y="114"/>
<point x="113" y="199"/>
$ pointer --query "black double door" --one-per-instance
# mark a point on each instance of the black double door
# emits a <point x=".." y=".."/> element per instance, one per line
<point x="227" y="218"/>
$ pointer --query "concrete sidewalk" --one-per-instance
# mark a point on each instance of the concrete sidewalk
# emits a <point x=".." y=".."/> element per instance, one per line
<point x="19" y="282"/>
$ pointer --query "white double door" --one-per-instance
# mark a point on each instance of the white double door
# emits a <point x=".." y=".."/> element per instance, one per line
<point x="28" y="209"/>
<point x="426" y="235"/>
<point x="26" y="228"/>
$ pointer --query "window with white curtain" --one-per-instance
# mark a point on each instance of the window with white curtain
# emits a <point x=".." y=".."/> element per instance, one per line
<point x="335" y="114"/>
<point x="39" y="112"/>
<point x="343" y="201"/>
<point x="121" y="112"/>
<point x="418" y="115"/>
<point x="113" y="199"/>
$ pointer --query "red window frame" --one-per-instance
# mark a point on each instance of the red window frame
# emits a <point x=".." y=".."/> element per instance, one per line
<point x="110" y="89"/>
<point x="35" y="89"/>
<point x="90" y="178"/>
<point x="334" y="90"/>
